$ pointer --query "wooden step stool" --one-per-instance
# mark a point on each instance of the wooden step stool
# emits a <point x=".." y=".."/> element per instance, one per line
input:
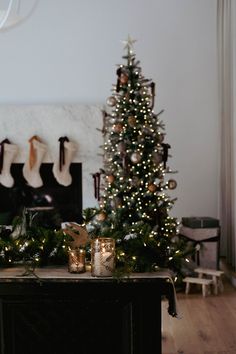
<point x="202" y="281"/>
<point x="215" y="276"/>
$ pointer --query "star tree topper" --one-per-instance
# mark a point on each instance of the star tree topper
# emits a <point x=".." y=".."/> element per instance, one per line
<point x="128" y="43"/>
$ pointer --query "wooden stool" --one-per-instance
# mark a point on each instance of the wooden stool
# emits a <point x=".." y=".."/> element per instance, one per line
<point x="202" y="281"/>
<point x="215" y="276"/>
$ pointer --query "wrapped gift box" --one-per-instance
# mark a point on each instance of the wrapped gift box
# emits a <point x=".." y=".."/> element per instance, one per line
<point x="199" y="234"/>
<point x="206" y="242"/>
<point x="196" y="222"/>
<point x="208" y="255"/>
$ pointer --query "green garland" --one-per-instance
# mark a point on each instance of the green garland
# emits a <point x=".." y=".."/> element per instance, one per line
<point x="28" y="242"/>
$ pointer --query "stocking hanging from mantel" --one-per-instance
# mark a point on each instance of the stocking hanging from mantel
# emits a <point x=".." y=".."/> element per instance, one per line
<point x="31" y="168"/>
<point x="8" y="152"/>
<point x="61" y="167"/>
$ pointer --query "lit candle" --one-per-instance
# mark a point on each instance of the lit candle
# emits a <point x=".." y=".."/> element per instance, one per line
<point x="76" y="261"/>
<point x="103" y="257"/>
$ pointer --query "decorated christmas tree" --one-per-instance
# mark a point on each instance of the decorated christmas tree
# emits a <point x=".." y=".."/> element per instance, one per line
<point x="131" y="187"/>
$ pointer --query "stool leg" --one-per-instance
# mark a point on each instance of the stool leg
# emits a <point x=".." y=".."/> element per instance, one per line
<point x="204" y="290"/>
<point x="220" y="284"/>
<point x="214" y="278"/>
<point x="187" y="288"/>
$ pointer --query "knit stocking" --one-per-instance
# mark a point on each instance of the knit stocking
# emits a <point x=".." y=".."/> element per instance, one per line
<point x="61" y="168"/>
<point x="8" y="152"/>
<point x="31" y="169"/>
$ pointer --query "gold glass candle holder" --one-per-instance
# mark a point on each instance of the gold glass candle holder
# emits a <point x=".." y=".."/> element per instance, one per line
<point x="102" y="257"/>
<point x="76" y="261"/>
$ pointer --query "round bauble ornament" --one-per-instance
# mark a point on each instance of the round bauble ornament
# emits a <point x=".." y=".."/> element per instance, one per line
<point x="123" y="78"/>
<point x="152" y="188"/>
<point x="122" y="74"/>
<point x="132" y="121"/>
<point x="117" y="128"/>
<point x="112" y="120"/>
<point x="172" y="184"/>
<point x="135" y="157"/>
<point x="147" y="131"/>
<point x="135" y="182"/>
<point x="141" y="138"/>
<point x="101" y="216"/>
<point x="110" y="178"/>
<point x="116" y="202"/>
<point x="111" y="101"/>
<point x="121" y="146"/>
<point x="161" y="138"/>
<point x="157" y="158"/>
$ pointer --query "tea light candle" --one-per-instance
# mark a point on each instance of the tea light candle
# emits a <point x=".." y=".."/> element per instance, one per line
<point x="76" y="267"/>
<point x="76" y="261"/>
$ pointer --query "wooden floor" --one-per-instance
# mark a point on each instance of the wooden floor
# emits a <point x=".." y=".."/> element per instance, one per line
<point x="206" y="325"/>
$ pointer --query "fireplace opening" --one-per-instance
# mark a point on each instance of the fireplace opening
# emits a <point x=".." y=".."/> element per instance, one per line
<point x="52" y="203"/>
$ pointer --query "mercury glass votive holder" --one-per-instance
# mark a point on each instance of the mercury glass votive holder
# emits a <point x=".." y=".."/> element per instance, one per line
<point x="76" y="262"/>
<point x="102" y="257"/>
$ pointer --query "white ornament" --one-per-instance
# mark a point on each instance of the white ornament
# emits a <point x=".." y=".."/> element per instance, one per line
<point x="130" y="237"/>
<point x="111" y="101"/>
<point x="135" y="157"/>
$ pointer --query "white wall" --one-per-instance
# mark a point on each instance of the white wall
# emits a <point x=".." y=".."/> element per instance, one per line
<point x="67" y="52"/>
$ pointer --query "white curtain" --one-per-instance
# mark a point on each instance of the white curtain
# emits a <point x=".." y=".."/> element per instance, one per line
<point x="227" y="166"/>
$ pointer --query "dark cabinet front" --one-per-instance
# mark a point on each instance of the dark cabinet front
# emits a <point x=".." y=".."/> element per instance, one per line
<point x="81" y="317"/>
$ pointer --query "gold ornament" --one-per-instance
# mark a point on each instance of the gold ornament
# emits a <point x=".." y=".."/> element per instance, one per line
<point x="172" y="184"/>
<point x="110" y="178"/>
<point x="101" y="216"/>
<point x="117" y="128"/>
<point x="111" y="101"/>
<point x="123" y="78"/>
<point x="152" y="187"/>
<point x="132" y="121"/>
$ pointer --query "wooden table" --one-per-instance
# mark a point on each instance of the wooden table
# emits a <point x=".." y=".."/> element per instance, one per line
<point x="59" y="312"/>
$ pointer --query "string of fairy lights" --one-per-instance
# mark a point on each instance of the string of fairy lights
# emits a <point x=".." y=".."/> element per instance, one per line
<point x="134" y="206"/>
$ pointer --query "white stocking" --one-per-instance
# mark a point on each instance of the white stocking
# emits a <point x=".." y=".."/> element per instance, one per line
<point x="63" y="176"/>
<point x="32" y="174"/>
<point x="10" y="151"/>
